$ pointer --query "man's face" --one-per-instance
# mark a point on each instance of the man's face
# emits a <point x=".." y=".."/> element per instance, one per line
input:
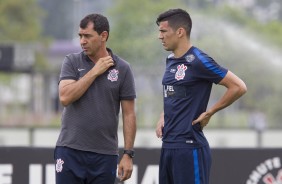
<point x="90" y="40"/>
<point x="168" y="36"/>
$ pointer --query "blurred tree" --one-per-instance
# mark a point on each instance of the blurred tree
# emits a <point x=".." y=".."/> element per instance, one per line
<point x="270" y="31"/>
<point x="20" y="25"/>
<point x="60" y="18"/>
<point x="20" y="21"/>
<point x="271" y="9"/>
<point x="198" y="4"/>
<point x="134" y="32"/>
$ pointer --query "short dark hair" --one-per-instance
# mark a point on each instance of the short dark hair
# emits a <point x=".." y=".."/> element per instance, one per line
<point x="176" y="18"/>
<point x="100" y="22"/>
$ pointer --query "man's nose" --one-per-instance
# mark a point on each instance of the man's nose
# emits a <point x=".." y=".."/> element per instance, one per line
<point x="82" y="40"/>
<point x="160" y="36"/>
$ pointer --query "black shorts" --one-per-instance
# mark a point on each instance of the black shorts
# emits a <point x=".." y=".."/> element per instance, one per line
<point x="83" y="167"/>
<point x="185" y="165"/>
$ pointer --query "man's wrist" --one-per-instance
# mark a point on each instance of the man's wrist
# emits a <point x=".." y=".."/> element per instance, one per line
<point x="130" y="153"/>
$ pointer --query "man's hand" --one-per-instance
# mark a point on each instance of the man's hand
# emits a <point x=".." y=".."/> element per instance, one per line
<point x="102" y="65"/>
<point x="160" y="126"/>
<point x="203" y="119"/>
<point x="125" y="167"/>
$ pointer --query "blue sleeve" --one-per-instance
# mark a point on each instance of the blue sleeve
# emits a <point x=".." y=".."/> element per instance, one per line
<point x="208" y="69"/>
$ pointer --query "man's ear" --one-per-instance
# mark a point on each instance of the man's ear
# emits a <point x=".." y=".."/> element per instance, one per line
<point x="180" y="32"/>
<point x="104" y="35"/>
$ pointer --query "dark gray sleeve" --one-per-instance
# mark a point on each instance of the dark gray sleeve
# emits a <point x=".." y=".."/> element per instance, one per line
<point x="127" y="91"/>
<point x="68" y="70"/>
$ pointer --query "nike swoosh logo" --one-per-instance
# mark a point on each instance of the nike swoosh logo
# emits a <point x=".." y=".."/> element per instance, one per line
<point x="80" y="69"/>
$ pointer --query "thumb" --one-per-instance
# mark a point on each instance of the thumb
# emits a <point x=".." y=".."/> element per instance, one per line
<point x="194" y="122"/>
<point x="119" y="171"/>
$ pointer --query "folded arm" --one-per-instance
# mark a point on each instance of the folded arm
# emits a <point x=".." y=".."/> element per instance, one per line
<point x="72" y="90"/>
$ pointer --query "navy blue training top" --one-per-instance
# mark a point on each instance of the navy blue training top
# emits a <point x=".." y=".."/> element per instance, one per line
<point x="187" y="84"/>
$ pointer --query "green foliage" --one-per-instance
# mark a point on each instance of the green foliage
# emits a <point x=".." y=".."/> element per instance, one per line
<point x="134" y="32"/>
<point x="5" y="79"/>
<point x="19" y="21"/>
<point x="234" y="15"/>
<point x="271" y="31"/>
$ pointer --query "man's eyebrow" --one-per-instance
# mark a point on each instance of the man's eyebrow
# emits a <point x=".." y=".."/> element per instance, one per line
<point x="162" y="30"/>
<point x="83" y="34"/>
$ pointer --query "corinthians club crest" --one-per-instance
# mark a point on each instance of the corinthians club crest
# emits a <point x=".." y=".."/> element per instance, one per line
<point x="59" y="165"/>
<point x="180" y="74"/>
<point x="113" y="75"/>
